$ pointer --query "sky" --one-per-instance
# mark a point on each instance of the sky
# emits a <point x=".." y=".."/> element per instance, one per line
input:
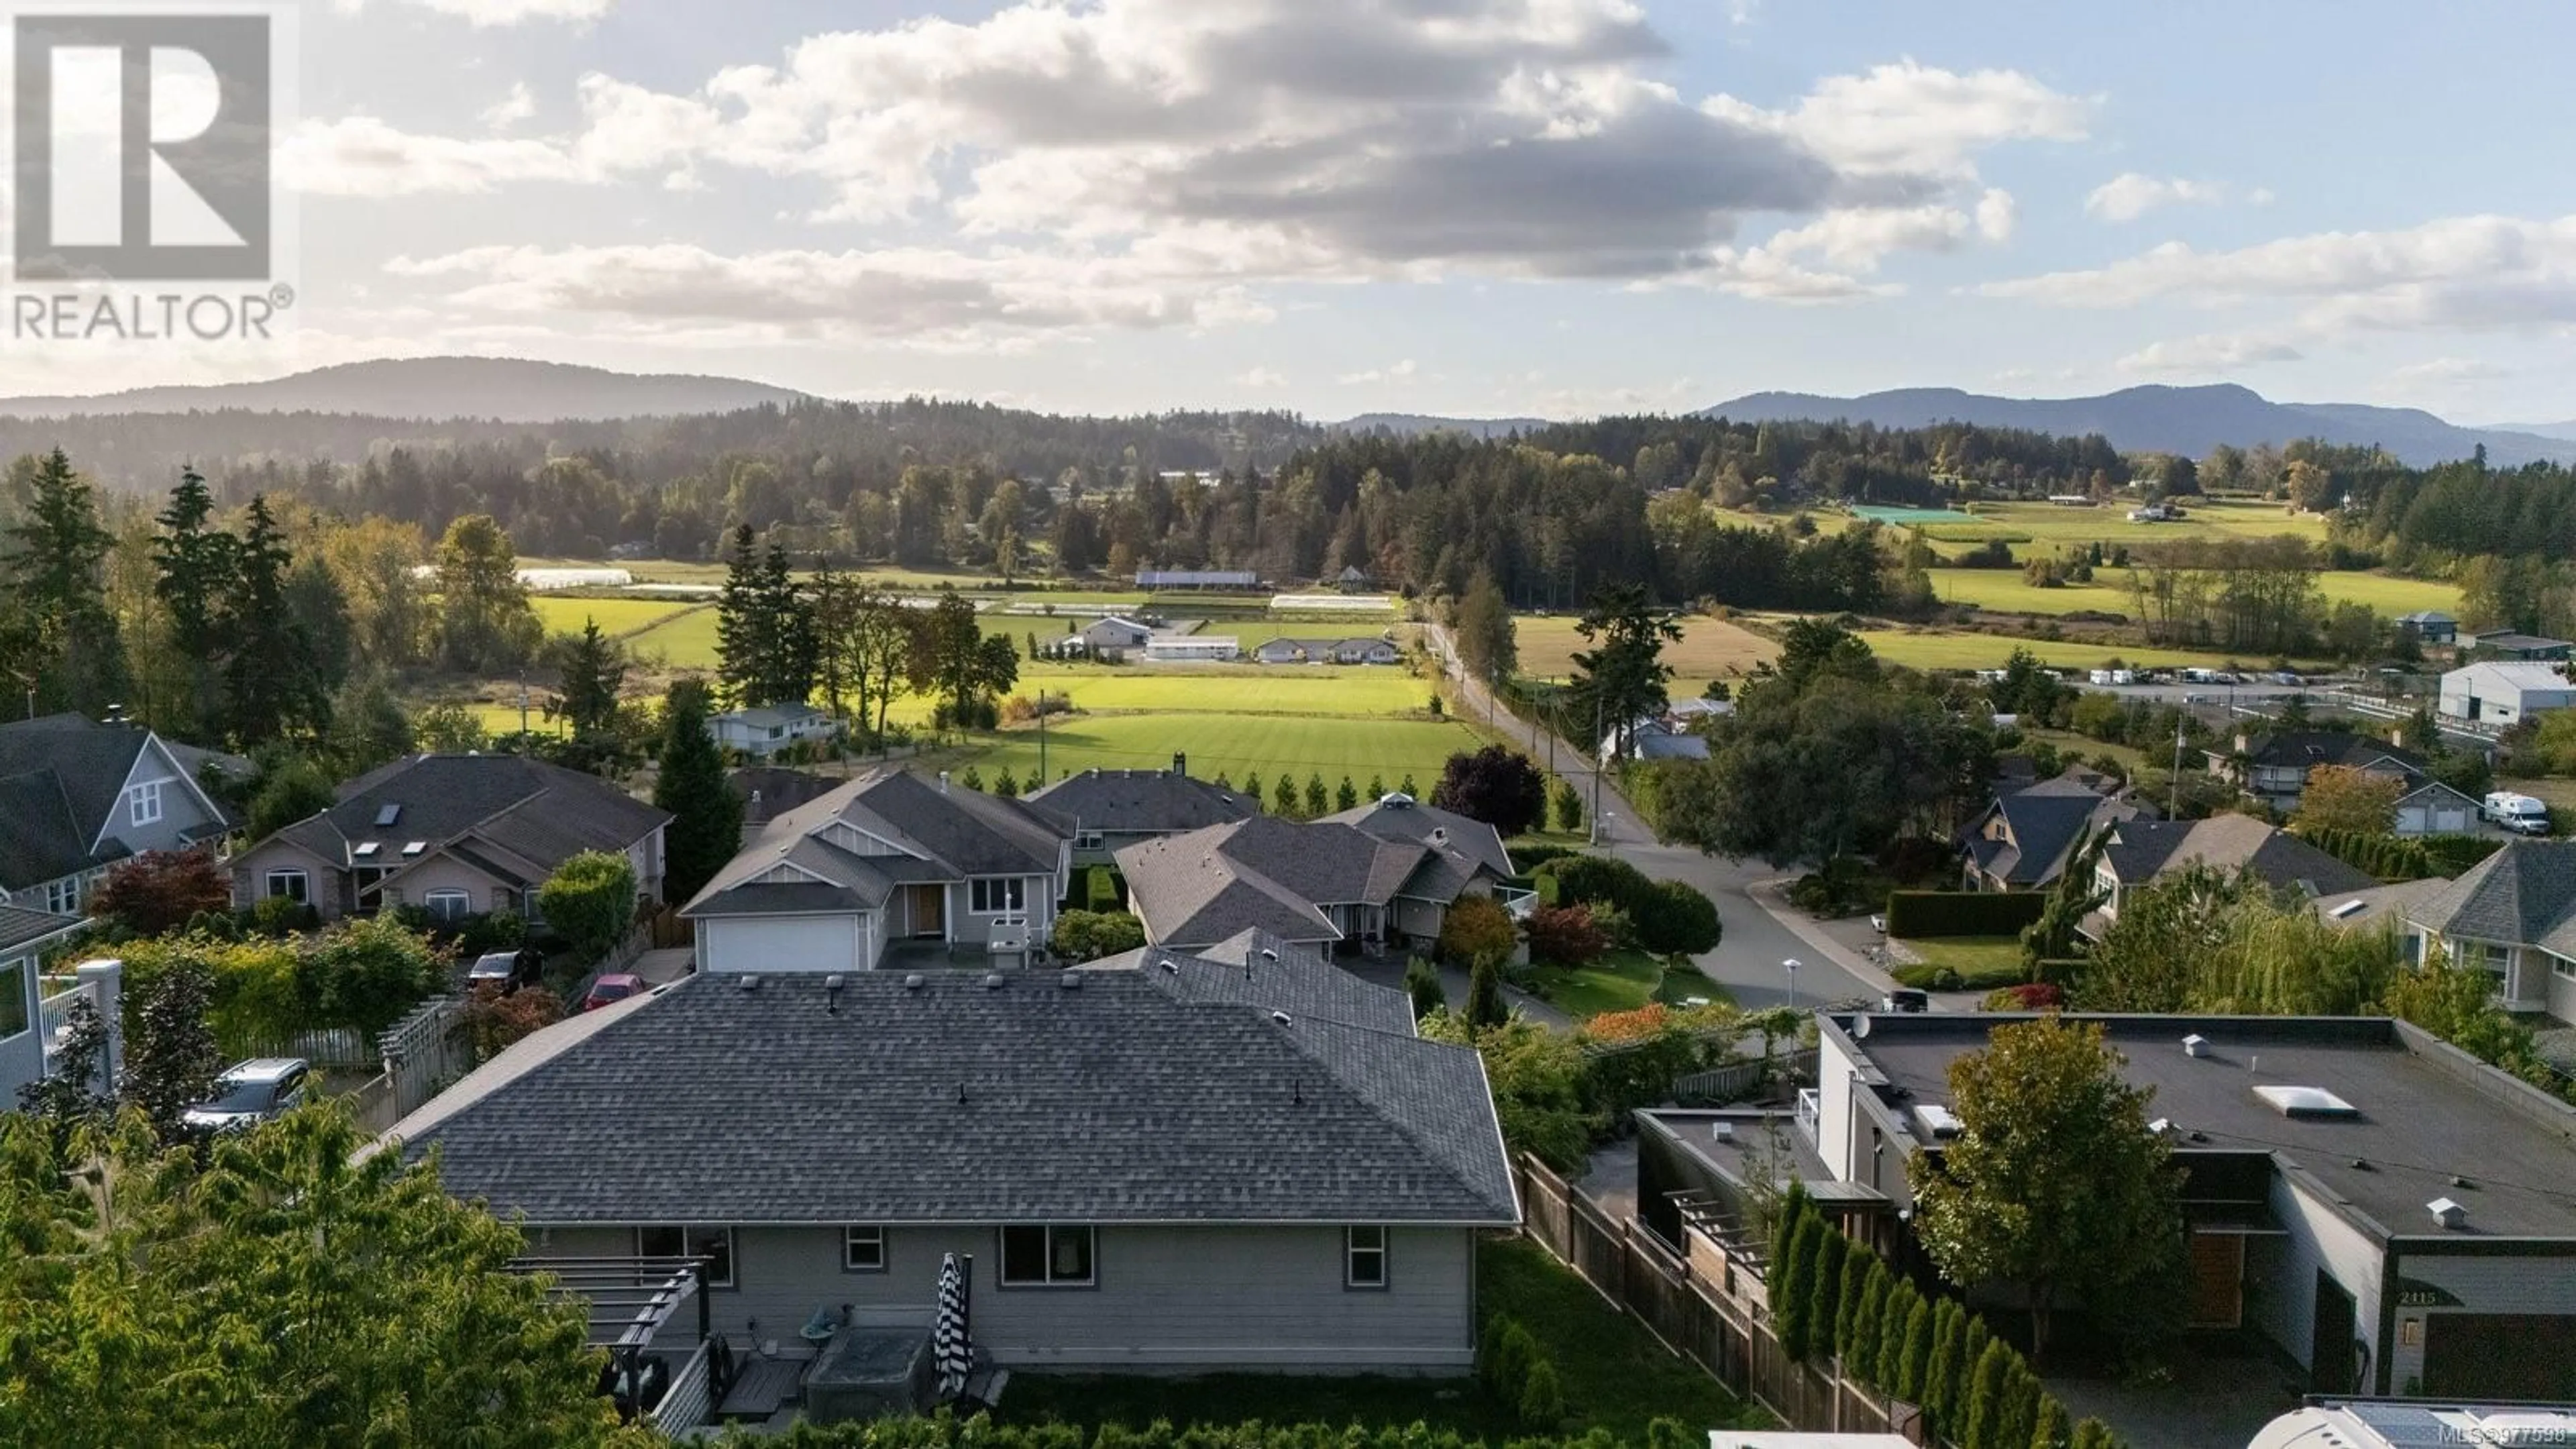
<point x="1461" y="207"/>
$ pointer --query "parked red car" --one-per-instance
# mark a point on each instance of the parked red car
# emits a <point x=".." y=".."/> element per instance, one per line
<point x="611" y="988"/>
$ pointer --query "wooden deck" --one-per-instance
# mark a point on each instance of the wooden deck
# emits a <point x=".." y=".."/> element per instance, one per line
<point x="763" y="1386"/>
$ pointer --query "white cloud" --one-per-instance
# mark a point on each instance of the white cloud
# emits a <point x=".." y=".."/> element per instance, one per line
<point x="1996" y="213"/>
<point x="2133" y="194"/>
<point x="2476" y="273"/>
<point x="509" y="12"/>
<point x="1398" y="372"/>
<point x="1261" y="378"/>
<point x="510" y="110"/>
<point x="2205" y="355"/>
<point x="1207" y="144"/>
<point x="2448" y="372"/>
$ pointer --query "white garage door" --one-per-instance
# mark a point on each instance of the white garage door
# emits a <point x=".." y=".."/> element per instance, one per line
<point x="796" y="943"/>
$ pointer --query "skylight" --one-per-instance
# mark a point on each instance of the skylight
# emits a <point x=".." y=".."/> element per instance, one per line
<point x="2346" y="909"/>
<point x="365" y="849"/>
<point x="387" y="815"/>
<point x="414" y="847"/>
<point x="2306" y="1102"/>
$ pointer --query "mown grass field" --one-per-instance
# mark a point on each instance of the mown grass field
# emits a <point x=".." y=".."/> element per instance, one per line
<point x="1709" y="648"/>
<point x="1232" y="744"/>
<point x="2005" y="590"/>
<point x="2109" y="522"/>
<point x="564" y="615"/>
<point x="1354" y="691"/>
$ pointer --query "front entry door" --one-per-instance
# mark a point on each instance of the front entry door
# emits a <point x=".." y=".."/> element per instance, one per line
<point x="927" y="905"/>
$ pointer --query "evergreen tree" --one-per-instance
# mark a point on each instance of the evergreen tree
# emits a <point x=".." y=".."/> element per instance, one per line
<point x="831" y="607"/>
<point x="1318" y="802"/>
<point x="1377" y="787"/>
<point x="2019" y="1419"/>
<point x="1869" y="1321"/>
<point x="1983" y="1418"/>
<point x="1949" y="1358"/>
<point x="2050" y="1430"/>
<point x="58" y="638"/>
<point x="1251" y="789"/>
<point x="1847" y="1298"/>
<point x="594" y="675"/>
<point x="1485" y="995"/>
<point x="1407" y="788"/>
<point x="706" y="823"/>
<point x="1903" y="1319"/>
<point x="1283" y="803"/>
<point x="2094" y="1434"/>
<point x="1913" y="1365"/>
<point x="786" y="669"/>
<point x="1825" y="1291"/>
<point x="1793" y="1313"/>
<point x="194" y="561"/>
<point x="1794" y="1206"/>
<point x="270" y="688"/>
<point x="745" y="633"/>
<point x="1348" y="796"/>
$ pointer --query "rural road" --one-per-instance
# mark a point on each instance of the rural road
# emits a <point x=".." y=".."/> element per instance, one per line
<point x="1747" y="961"/>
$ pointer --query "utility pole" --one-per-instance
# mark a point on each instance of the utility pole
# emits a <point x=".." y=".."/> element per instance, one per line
<point x="1597" y="767"/>
<point x="2173" y="804"/>
<point x="523" y="714"/>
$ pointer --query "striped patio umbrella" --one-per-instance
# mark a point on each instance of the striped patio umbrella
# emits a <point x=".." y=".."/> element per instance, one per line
<point x="949" y="1343"/>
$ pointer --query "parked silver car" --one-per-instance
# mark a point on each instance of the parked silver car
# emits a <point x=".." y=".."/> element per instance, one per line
<point x="252" y="1092"/>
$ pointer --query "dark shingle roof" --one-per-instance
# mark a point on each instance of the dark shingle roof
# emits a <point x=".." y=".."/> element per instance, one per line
<point x="60" y="775"/>
<point x="2524" y="893"/>
<point x="2144" y="849"/>
<point x="20" y="926"/>
<point x="543" y="812"/>
<point x="1399" y="816"/>
<point x="1141" y="802"/>
<point x="1268" y="874"/>
<point x="1126" y="1100"/>
<point x="2044" y="820"/>
<point x="2310" y="748"/>
<point x="1255" y="968"/>
<point x="958" y="832"/>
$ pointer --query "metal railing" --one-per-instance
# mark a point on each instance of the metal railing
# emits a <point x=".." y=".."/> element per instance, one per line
<point x="691" y="1397"/>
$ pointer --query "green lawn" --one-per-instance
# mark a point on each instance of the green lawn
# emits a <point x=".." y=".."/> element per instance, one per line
<point x="1616" y="1377"/>
<point x="1983" y="962"/>
<point x="1621" y="981"/>
<point x="2109" y="523"/>
<point x="1232" y="744"/>
<point x="2004" y="590"/>
<point x="1353" y="691"/>
<point x="1949" y="649"/>
<point x="563" y="614"/>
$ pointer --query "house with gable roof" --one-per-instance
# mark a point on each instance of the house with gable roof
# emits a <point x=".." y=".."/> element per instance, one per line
<point x="456" y="835"/>
<point x="1320" y="883"/>
<point x="77" y="796"/>
<point x="2512" y="915"/>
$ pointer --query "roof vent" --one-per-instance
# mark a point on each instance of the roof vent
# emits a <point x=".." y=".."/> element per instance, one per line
<point x="1070" y="981"/>
<point x="2160" y="1126"/>
<point x="2306" y="1102"/>
<point x="2195" y="1045"/>
<point x="1936" y="1120"/>
<point x="993" y="980"/>
<point x="2462" y="1183"/>
<point x="2448" y="1213"/>
<point x="1267" y="954"/>
<point x="750" y="982"/>
<point x="913" y="981"/>
<point x="1171" y="965"/>
<point x="832" y="982"/>
<point x="1280" y="1017"/>
<point x="2346" y="909"/>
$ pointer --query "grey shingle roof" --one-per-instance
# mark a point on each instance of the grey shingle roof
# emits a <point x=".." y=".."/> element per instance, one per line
<point x="1270" y="874"/>
<point x="2310" y="748"/>
<point x="60" y="775"/>
<point x="1291" y="978"/>
<point x="542" y="812"/>
<point x="1141" y="802"/>
<point x="2144" y="849"/>
<point x="2044" y="820"/>
<point x="20" y="926"/>
<point x="1126" y="1100"/>
<point x="2524" y="893"/>
<point x="958" y="833"/>
<point x="1400" y="817"/>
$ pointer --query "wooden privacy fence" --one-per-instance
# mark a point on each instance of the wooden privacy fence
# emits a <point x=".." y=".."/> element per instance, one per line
<point x="1705" y="1314"/>
<point x="1738" y="1081"/>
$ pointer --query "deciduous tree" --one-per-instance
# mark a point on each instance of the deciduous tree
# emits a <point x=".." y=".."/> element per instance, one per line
<point x="590" y="900"/>
<point x="2054" y="1183"/>
<point x="1497" y="785"/>
<point x="2345" y="797"/>
<point x="486" y="625"/>
<point x="161" y="890"/>
<point x="170" y="1056"/>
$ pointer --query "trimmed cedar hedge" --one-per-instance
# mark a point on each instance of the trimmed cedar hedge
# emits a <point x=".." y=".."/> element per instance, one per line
<point x="1100" y="890"/>
<point x="1917" y="914"/>
<point x="2388" y="857"/>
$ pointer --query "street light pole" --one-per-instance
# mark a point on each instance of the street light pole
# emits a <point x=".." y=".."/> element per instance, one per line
<point x="1597" y="767"/>
<point x="1791" y="966"/>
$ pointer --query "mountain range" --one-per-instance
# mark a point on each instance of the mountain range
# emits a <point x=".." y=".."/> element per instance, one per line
<point x="505" y="389"/>
<point x="2188" y="420"/>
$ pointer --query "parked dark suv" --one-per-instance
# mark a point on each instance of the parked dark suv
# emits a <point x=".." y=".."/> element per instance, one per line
<point x="505" y="971"/>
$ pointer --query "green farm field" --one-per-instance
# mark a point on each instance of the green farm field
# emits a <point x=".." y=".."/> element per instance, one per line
<point x="1289" y="689"/>
<point x="2005" y="590"/>
<point x="1947" y="650"/>
<point x="1234" y="745"/>
<point x="1709" y="648"/>
<point x="2109" y="522"/>
<point x="563" y="614"/>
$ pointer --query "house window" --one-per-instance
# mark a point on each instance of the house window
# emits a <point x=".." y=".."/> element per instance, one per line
<point x="2489" y="957"/>
<point x="992" y="897"/>
<point x="13" y="998"/>
<point x="2560" y="966"/>
<point x="715" y="1245"/>
<point x="1364" y="1257"/>
<point x="863" y="1249"/>
<point x="1086" y="839"/>
<point x="63" y="897"/>
<point x="143" y="803"/>
<point x="1046" y="1257"/>
<point x="448" y="905"/>
<point x="293" y="885"/>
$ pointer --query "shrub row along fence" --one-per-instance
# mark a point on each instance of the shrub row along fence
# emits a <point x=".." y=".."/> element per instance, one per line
<point x="1921" y="914"/>
<point x="1705" y="1313"/>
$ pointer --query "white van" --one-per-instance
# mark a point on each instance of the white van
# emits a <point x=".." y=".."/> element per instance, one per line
<point x="2520" y="814"/>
